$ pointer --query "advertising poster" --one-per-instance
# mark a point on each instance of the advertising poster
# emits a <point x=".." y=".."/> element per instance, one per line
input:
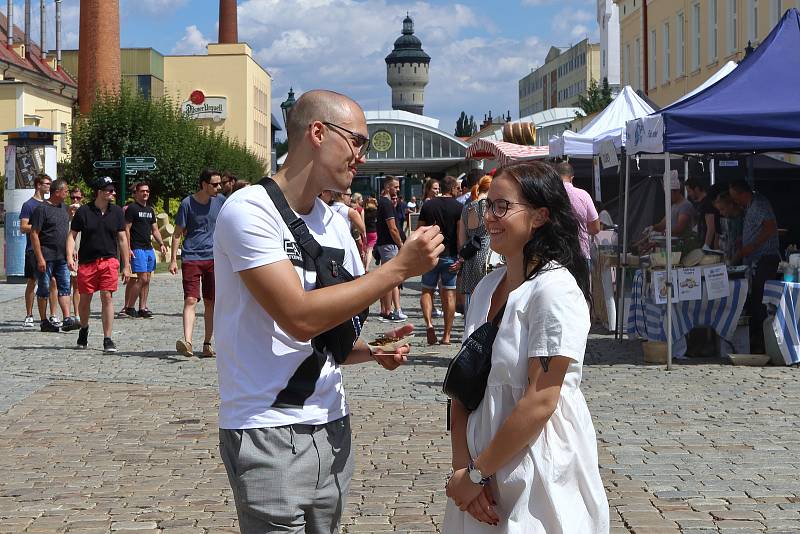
<point x="717" y="282"/>
<point x="689" y="281"/>
<point x="660" y="287"/>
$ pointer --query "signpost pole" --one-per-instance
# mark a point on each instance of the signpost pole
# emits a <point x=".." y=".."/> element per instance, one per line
<point x="123" y="182"/>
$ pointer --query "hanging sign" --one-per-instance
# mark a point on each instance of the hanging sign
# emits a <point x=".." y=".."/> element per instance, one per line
<point x="608" y="154"/>
<point x="717" y="282"/>
<point x="596" y="174"/>
<point x="689" y="287"/>
<point x="660" y="287"/>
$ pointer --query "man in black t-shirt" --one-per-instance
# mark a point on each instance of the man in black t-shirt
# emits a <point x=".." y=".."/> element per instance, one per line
<point x="140" y="225"/>
<point x="102" y="228"/>
<point x="444" y="211"/>
<point x="388" y="245"/>
<point x="49" y="227"/>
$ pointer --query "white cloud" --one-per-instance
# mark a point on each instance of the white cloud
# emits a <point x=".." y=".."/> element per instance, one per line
<point x="574" y="24"/>
<point x="193" y="42"/>
<point x="341" y="45"/>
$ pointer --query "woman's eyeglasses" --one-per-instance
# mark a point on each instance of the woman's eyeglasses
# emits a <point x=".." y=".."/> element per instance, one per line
<point x="499" y="207"/>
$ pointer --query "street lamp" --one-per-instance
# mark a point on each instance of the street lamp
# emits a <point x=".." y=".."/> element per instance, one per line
<point x="748" y="49"/>
<point x="286" y="105"/>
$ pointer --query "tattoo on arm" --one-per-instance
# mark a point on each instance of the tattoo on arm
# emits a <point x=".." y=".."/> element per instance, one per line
<point x="545" y="361"/>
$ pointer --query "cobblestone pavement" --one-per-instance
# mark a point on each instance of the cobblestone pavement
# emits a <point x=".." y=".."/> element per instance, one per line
<point x="127" y="442"/>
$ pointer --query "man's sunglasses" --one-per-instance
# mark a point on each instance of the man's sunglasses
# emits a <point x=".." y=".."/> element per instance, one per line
<point x="76" y="198"/>
<point x="361" y="142"/>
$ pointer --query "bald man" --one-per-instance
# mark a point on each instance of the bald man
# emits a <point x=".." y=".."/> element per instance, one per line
<point x="284" y="423"/>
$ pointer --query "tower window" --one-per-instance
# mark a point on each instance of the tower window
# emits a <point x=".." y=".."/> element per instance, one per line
<point x="415" y="70"/>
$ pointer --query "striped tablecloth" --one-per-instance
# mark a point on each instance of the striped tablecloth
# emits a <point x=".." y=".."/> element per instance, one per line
<point x="647" y="320"/>
<point x="785" y="296"/>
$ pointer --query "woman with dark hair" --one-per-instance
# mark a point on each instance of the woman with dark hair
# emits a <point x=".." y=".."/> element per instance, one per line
<point x="526" y="459"/>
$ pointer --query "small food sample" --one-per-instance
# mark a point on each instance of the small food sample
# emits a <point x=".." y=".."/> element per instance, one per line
<point x="386" y="342"/>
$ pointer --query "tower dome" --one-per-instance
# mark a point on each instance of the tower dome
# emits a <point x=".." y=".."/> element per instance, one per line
<point x="407" y="70"/>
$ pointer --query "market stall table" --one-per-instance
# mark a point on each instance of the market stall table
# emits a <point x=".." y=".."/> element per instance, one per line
<point x="646" y="317"/>
<point x="785" y="296"/>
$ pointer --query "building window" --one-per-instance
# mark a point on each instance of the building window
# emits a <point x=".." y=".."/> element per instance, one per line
<point x="712" y="31"/>
<point x="752" y="26"/>
<point x="695" y="36"/>
<point x="637" y="72"/>
<point x="651" y="62"/>
<point x="63" y="138"/>
<point x="733" y="26"/>
<point x="680" y="45"/>
<point x="665" y="53"/>
<point x="775" y="13"/>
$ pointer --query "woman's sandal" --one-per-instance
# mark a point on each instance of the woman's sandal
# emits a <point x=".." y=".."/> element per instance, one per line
<point x="208" y="351"/>
<point x="184" y="348"/>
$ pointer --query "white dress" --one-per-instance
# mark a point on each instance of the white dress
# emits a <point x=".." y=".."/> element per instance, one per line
<point x="552" y="486"/>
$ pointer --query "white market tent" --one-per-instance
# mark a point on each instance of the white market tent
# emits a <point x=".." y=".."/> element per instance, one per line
<point x="609" y="124"/>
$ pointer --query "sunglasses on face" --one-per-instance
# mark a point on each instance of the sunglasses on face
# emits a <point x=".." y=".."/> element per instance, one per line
<point x="499" y="207"/>
<point x="76" y="197"/>
<point x="361" y="142"/>
<point x="215" y="184"/>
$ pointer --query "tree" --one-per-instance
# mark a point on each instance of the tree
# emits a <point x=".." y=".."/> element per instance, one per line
<point x="465" y="126"/>
<point x="127" y="124"/>
<point x="596" y="99"/>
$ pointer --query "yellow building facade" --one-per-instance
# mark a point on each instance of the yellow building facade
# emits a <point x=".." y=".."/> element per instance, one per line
<point x="225" y="90"/>
<point x="670" y="47"/>
<point x="564" y="77"/>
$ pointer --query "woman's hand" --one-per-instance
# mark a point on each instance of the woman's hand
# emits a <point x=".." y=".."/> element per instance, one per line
<point x="482" y="507"/>
<point x="462" y="490"/>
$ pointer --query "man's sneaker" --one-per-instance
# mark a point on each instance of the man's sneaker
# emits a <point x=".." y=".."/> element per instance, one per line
<point x="437" y="312"/>
<point x="384" y="317"/>
<point x="394" y="318"/>
<point x="28" y="322"/>
<point x="400" y="315"/>
<point x="108" y="345"/>
<point x="145" y="313"/>
<point x="47" y="326"/>
<point x="55" y="321"/>
<point x="70" y="324"/>
<point x="83" y="337"/>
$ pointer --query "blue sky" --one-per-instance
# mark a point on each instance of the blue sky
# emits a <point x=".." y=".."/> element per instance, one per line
<point x="479" y="49"/>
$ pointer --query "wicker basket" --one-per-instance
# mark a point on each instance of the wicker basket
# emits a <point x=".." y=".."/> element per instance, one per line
<point x="654" y="351"/>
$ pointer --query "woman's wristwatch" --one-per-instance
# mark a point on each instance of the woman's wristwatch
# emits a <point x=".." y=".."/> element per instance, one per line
<point x="476" y="476"/>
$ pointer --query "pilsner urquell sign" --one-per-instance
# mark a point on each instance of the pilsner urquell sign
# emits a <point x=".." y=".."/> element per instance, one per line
<point x="200" y="106"/>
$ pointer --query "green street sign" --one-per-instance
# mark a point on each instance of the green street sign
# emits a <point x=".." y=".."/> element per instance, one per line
<point x="107" y="164"/>
<point x="141" y="166"/>
<point x="133" y="161"/>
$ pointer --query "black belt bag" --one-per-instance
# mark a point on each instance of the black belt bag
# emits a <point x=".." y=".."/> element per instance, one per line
<point x="468" y="371"/>
<point x="327" y="263"/>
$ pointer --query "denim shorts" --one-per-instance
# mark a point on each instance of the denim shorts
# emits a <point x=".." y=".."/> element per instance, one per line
<point x="53" y="269"/>
<point x="144" y="260"/>
<point x="430" y="280"/>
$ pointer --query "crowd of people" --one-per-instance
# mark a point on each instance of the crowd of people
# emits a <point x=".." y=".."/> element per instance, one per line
<point x="289" y="261"/>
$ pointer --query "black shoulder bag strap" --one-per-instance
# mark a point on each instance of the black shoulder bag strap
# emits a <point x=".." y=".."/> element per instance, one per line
<point x="299" y="230"/>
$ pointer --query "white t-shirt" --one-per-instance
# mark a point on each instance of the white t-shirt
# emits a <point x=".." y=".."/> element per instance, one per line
<point x="342" y="209"/>
<point x="255" y="358"/>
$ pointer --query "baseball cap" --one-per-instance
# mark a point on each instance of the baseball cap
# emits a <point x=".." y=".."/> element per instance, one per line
<point x="103" y="183"/>
<point x="674" y="181"/>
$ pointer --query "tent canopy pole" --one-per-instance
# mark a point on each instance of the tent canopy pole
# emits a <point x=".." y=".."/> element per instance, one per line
<point x="668" y="282"/>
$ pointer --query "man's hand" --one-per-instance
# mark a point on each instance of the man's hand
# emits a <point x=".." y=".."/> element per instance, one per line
<point x="126" y="274"/>
<point x="456" y="266"/>
<point x="163" y="250"/>
<point x="41" y="264"/>
<point x="392" y="360"/>
<point x="72" y="263"/>
<point x="421" y="251"/>
<point x="173" y="267"/>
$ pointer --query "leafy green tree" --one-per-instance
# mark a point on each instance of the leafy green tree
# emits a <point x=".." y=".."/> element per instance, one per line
<point x="127" y="124"/>
<point x="596" y="99"/>
<point x="465" y="126"/>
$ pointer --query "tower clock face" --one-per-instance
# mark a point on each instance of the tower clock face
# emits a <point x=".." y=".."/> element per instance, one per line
<point x="381" y="141"/>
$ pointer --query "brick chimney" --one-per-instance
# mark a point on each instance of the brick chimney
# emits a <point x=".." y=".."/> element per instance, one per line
<point x="228" y="22"/>
<point x="98" y="55"/>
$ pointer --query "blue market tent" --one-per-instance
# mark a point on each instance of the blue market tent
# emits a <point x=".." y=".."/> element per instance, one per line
<point x="754" y="108"/>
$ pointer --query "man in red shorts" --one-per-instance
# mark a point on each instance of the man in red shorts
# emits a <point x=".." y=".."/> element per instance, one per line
<point x="195" y="222"/>
<point x="102" y="228"/>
